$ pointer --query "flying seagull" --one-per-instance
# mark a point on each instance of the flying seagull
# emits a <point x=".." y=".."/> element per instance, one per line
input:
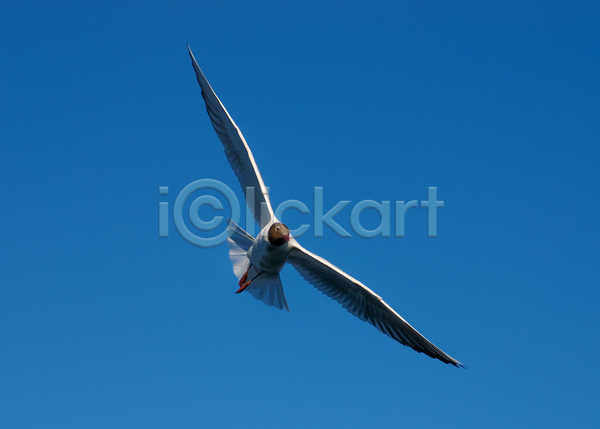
<point x="258" y="261"/>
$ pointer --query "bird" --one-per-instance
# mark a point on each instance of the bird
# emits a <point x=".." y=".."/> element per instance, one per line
<point x="257" y="261"/>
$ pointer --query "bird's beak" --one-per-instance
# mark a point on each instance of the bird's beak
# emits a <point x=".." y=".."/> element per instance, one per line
<point x="286" y="237"/>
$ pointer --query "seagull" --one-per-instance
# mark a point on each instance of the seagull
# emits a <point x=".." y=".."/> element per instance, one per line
<point x="258" y="261"/>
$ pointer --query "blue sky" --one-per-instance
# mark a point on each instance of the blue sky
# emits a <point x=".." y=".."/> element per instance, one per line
<point x="103" y="324"/>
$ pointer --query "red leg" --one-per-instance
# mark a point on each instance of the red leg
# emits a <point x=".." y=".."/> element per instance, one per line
<point x="245" y="285"/>
<point x="244" y="277"/>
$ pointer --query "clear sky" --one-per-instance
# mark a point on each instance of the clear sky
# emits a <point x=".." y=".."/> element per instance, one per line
<point x="496" y="104"/>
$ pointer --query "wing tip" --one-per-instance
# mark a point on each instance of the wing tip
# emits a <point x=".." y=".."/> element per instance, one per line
<point x="454" y="362"/>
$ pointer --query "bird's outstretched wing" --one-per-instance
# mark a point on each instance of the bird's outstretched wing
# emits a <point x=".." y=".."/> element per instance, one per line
<point x="362" y="302"/>
<point x="237" y="151"/>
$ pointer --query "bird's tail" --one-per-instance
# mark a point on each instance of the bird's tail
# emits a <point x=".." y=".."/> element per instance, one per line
<point x="268" y="289"/>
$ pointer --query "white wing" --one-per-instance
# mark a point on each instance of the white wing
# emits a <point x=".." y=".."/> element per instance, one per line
<point x="362" y="302"/>
<point x="236" y="149"/>
<point x="239" y="242"/>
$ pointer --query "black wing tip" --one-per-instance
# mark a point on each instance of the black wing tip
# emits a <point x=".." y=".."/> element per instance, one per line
<point x="194" y="62"/>
<point x="457" y="364"/>
<point x="190" y="54"/>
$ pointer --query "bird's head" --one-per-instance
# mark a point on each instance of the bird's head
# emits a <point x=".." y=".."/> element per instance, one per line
<point x="279" y="234"/>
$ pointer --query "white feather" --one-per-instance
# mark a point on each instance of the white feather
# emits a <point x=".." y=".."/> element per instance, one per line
<point x="268" y="289"/>
<point x="239" y="242"/>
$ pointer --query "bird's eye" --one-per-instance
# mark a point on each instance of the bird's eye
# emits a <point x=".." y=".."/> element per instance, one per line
<point x="277" y="229"/>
